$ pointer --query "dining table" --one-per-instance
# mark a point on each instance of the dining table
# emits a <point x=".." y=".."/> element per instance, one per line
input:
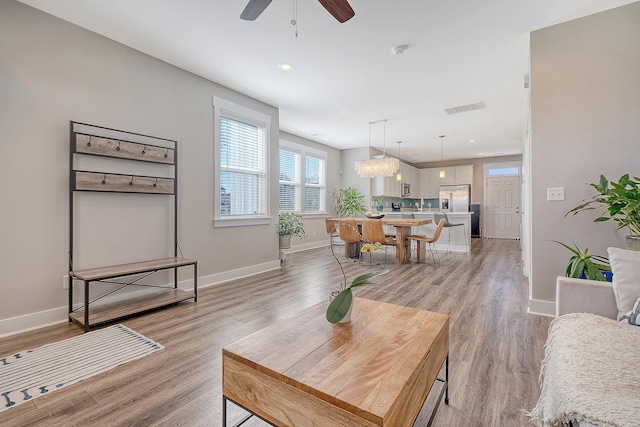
<point x="403" y="230"/>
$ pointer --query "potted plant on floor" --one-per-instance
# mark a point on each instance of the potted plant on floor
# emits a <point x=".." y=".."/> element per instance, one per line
<point x="290" y="225"/>
<point x="621" y="201"/>
<point x="584" y="266"/>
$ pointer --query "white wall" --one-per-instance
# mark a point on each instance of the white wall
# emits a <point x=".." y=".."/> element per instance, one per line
<point x="51" y="72"/>
<point x="585" y="121"/>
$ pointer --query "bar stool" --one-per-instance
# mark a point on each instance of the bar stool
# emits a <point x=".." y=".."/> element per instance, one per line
<point x="449" y="225"/>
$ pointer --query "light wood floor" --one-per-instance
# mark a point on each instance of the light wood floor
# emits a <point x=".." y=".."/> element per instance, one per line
<point x="495" y="348"/>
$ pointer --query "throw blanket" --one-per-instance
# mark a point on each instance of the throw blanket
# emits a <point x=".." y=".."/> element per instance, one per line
<point x="590" y="372"/>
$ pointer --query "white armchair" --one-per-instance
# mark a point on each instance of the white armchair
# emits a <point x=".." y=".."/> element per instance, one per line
<point x="585" y="296"/>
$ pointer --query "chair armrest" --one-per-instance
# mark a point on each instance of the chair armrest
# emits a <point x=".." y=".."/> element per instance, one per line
<point x="585" y="296"/>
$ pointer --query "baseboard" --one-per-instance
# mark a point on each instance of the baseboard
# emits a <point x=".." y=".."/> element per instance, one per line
<point x="542" y="308"/>
<point x="29" y="322"/>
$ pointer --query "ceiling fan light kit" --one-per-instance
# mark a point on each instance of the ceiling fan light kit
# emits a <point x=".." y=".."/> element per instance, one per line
<point x="379" y="166"/>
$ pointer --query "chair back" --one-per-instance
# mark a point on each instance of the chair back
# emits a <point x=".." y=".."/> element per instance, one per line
<point x="348" y="230"/>
<point x="441" y="216"/>
<point x="372" y="231"/>
<point x="436" y="234"/>
<point x="330" y="226"/>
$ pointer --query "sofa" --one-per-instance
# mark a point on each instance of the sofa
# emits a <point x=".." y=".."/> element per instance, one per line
<point x="589" y="375"/>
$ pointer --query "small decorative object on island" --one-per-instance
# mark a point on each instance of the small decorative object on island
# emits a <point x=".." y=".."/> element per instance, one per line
<point x="584" y="266"/>
<point x="622" y="203"/>
<point x="341" y="300"/>
<point x="290" y="225"/>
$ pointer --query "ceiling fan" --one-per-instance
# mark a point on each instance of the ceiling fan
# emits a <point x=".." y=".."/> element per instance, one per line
<point x="340" y="9"/>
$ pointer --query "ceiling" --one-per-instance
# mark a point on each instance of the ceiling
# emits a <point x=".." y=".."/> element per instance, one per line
<point x="345" y="76"/>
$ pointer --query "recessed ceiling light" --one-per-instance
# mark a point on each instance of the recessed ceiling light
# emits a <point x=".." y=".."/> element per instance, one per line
<point x="480" y="154"/>
<point x="285" y="66"/>
<point x="472" y="140"/>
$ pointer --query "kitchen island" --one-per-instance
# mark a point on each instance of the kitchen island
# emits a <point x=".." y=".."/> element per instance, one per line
<point x="457" y="235"/>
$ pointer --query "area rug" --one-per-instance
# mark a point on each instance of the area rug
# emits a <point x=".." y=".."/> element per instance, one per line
<point x="34" y="373"/>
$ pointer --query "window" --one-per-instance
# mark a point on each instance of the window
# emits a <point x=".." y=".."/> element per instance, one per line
<point x="504" y="171"/>
<point x="241" y="157"/>
<point x="302" y="179"/>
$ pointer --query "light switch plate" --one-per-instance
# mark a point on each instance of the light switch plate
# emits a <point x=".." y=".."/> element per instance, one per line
<point x="555" y="193"/>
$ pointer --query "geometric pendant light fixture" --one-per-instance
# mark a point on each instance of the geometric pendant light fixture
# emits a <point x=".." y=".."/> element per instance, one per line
<point x="378" y="165"/>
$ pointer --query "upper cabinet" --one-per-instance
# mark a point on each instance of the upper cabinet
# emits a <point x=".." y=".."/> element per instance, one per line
<point x="430" y="180"/>
<point x="390" y="186"/>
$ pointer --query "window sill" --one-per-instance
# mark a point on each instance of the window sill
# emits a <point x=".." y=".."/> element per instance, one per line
<point x="240" y="221"/>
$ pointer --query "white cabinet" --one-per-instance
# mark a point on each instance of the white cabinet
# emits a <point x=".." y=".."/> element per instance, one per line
<point x="386" y="186"/>
<point x="429" y="183"/>
<point x="464" y="174"/>
<point x="430" y="180"/>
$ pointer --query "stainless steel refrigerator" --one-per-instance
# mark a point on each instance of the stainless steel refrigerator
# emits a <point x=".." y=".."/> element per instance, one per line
<point x="455" y="198"/>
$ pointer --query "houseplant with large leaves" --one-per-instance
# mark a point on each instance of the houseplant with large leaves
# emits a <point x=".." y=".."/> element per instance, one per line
<point x="584" y="265"/>
<point x="621" y="203"/>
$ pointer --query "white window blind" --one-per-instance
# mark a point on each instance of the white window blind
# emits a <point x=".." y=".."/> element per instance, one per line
<point x="242" y="166"/>
<point x="289" y="181"/>
<point x="314" y="193"/>
<point x="302" y="178"/>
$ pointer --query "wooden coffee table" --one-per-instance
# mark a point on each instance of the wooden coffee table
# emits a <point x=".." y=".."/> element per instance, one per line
<point x="376" y="370"/>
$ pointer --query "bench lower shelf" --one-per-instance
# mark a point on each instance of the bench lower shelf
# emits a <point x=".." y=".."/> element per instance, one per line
<point x="119" y="310"/>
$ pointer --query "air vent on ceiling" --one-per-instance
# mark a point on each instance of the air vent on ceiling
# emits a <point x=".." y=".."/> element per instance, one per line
<point x="465" y="108"/>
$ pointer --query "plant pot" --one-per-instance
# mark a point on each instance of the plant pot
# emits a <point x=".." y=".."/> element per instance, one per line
<point x="633" y="243"/>
<point x="347" y="317"/>
<point x="285" y="242"/>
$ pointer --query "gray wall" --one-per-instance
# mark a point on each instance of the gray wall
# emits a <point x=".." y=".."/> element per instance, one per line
<point x="585" y="121"/>
<point x="51" y="72"/>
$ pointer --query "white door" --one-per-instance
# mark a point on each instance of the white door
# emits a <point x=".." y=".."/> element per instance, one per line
<point x="502" y="219"/>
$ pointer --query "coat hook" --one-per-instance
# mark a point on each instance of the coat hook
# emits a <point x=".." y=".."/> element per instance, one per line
<point x="89" y="143"/>
<point x="166" y="154"/>
<point x="155" y="184"/>
<point x="104" y="180"/>
<point x="144" y="150"/>
<point x="118" y="147"/>
<point x="131" y="183"/>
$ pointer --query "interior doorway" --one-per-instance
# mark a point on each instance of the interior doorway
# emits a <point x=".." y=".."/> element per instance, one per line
<point x="503" y="201"/>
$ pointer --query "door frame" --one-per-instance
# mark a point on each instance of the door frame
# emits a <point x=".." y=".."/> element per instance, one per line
<point x="485" y="175"/>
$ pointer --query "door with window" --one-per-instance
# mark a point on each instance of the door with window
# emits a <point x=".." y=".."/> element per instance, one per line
<point x="502" y="204"/>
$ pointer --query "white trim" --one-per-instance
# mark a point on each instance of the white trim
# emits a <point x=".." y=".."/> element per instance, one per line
<point x="542" y="308"/>
<point x="241" y="221"/>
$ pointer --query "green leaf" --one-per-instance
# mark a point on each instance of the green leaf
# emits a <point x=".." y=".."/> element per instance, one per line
<point x="340" y="305"/>
<point x="364" y="279"/>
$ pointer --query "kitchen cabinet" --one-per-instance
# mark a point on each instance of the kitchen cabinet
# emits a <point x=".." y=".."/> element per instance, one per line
<point x="390" y="186"/>
<point x="430" y="180"/>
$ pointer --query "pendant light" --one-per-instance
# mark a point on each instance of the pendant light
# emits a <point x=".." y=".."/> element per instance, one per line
<point x="379" y="165"/>
<point x="399" y="175"/>
<point x="442" y="174"/>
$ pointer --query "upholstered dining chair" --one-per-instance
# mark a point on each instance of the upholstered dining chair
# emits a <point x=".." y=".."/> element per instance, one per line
<point x="431" y="241"/>
<point x="373" y="232"/>
<point x="348" y="233"/>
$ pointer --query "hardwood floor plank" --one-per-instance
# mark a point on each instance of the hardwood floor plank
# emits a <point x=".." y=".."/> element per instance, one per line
<point x="495" y="346"/>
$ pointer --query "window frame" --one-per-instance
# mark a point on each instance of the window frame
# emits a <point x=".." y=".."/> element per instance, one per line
<point x="228" y="109"/>
<point x="304" y="152"/>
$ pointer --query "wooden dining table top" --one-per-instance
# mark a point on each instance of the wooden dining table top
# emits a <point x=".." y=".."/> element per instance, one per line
<point x="396" y="222"/>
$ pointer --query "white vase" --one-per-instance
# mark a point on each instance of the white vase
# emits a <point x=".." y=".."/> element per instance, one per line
<point x="347" y="317"/>
<point x="632" y="243"/>
<point x="285" y="242"/>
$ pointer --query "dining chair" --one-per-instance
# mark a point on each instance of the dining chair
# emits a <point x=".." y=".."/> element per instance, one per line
<point x="450" y="225"/>
<point x="373" y="233"/>
<point x="348" y="233"/>
<point x="431" y="241"/>
<point x="332" y="229"/>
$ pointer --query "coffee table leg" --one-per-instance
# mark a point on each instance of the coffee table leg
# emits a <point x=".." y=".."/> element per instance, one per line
<point x="446" y="380"/>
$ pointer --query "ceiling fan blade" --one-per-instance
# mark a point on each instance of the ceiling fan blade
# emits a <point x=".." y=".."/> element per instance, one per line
<point x="340" y="9"/>
<point x="253" y="9"/>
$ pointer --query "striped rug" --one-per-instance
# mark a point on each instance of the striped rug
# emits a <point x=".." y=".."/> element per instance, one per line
<point x="34" y="373"/>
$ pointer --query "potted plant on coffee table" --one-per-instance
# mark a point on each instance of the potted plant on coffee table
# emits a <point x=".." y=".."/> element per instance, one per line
<point x="290" y="225"/>
<point x="621" y="201"/>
